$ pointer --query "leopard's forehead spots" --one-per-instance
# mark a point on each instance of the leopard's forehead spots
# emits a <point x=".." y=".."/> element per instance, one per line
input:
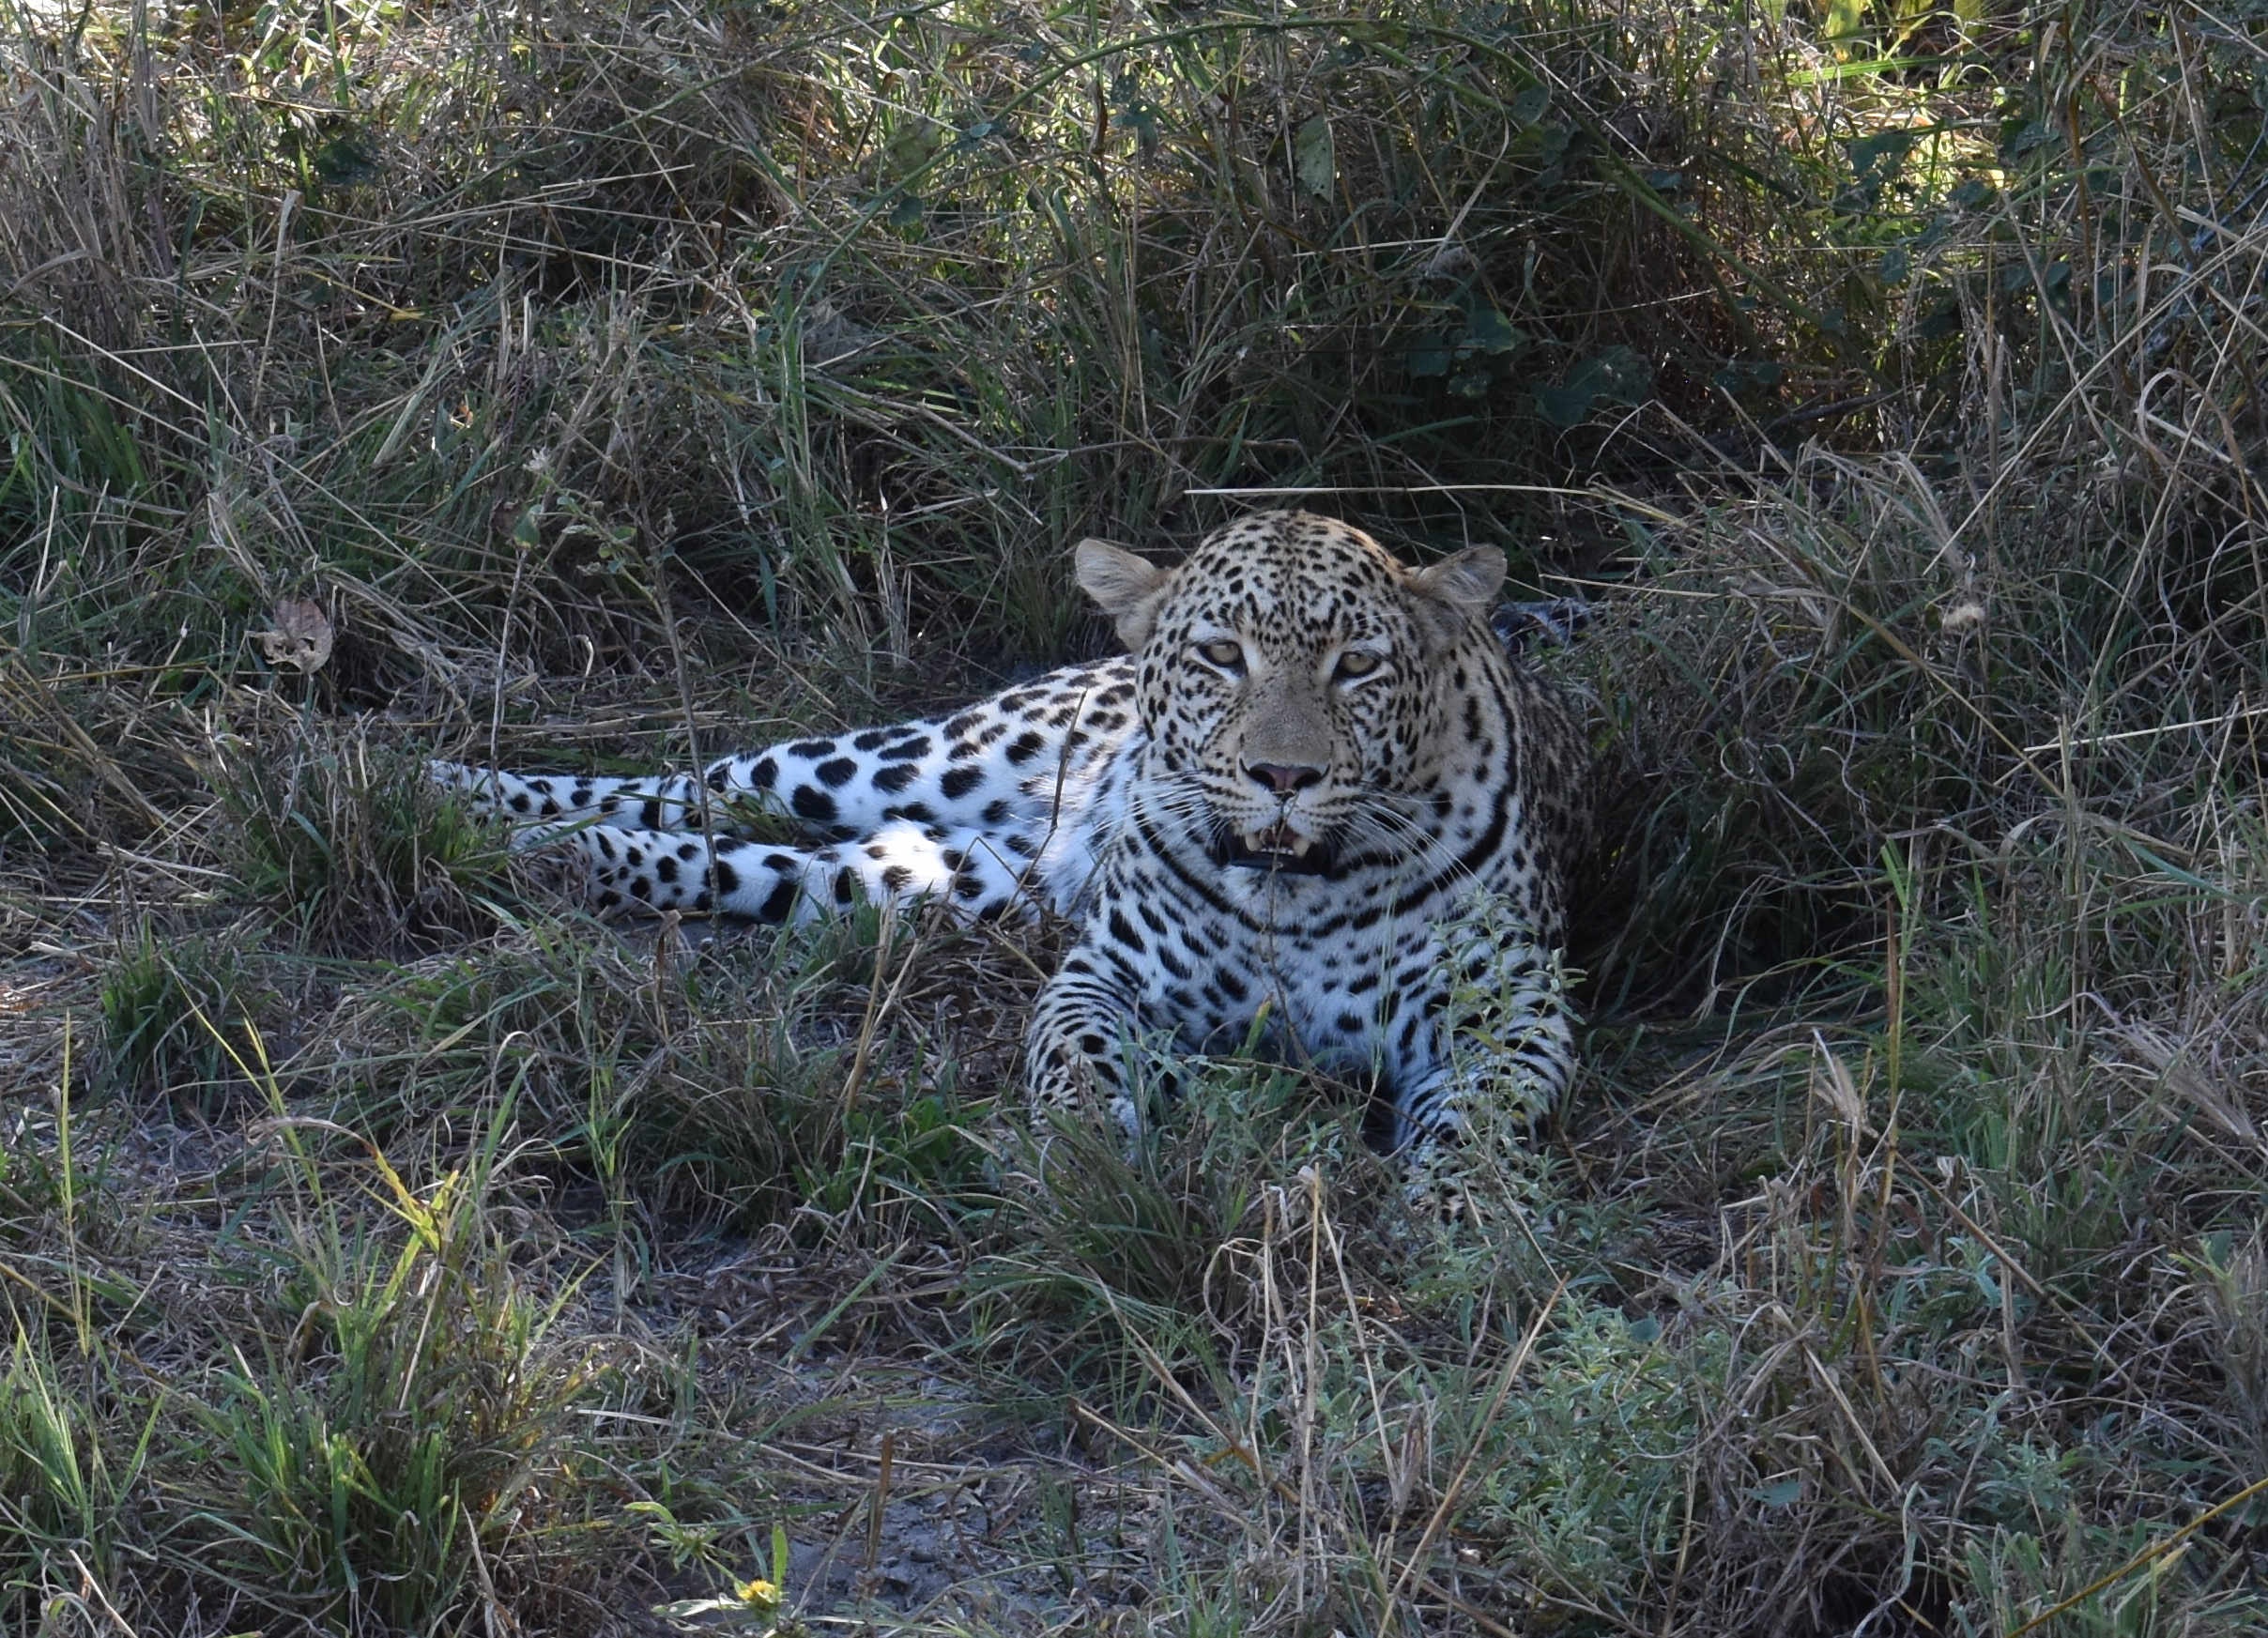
<point x="1290" y="575"/>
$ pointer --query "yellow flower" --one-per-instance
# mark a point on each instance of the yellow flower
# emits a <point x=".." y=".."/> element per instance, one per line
<point x="758" y="1593"/>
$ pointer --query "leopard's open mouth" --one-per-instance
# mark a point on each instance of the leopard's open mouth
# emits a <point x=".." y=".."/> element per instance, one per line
<point x="1278" y="846"/>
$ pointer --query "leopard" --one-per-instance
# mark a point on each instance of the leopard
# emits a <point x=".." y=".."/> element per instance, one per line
<point x="1261" y="824"/>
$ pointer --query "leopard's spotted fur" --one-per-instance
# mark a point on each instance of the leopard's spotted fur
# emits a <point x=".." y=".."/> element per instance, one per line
<point x="1311" y="758"/>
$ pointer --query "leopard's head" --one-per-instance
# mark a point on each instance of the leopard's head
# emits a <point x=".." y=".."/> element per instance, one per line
<point x="1291" y="680"/>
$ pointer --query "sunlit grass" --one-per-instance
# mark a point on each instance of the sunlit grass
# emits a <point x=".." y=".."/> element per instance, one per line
<point x="387" y="1248"/>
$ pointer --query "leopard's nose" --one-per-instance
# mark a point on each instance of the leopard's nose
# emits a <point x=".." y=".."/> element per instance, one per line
<point x="1282" y="778"/>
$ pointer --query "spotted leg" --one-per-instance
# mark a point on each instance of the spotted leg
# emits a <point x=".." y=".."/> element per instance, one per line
<point x="1509" y="1047"/>
<point x="982" y="876"/>
<point x="1505" y="1056"/>
<point x="1083" y="1036"/>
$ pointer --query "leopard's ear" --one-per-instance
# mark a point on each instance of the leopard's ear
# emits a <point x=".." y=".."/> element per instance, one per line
<point x="1126" y="586"/>
<point x="1458" y="591"/>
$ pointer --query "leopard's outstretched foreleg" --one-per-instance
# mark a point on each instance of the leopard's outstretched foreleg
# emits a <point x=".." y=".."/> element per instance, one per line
<point x="1076" y="1048"/>
<point x="1507" y="1044"/>
<point x="1505" y="1056"/>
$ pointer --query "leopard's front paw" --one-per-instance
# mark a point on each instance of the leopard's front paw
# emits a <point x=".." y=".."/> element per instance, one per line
<point x="1464" y="1182"/>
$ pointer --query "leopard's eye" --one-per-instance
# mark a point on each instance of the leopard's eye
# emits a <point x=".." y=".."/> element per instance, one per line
<point x="1356" y="662"/>
<point x="1225" y="652"/>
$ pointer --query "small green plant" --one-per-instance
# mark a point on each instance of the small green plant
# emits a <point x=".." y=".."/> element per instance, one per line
<point x="65" y="1475"/>
<point x="751" y="1606"/>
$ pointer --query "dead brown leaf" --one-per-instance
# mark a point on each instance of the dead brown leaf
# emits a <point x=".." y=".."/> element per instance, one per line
<point x="302" y="635"/>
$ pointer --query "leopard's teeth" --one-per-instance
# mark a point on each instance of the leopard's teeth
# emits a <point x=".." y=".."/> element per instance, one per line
<point x="1280" y="840"/>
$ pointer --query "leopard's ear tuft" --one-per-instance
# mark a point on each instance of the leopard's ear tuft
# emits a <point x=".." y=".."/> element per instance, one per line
<point x="1458" y="591"/>
<point x="1125" y="586"/>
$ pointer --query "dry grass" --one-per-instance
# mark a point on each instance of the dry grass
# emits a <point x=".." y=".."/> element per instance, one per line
<point x="389" y="1248"/>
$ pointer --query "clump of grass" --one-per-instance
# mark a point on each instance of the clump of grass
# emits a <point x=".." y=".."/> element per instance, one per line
<point x="2232" y="1292"/>
<point x="1165" y="1241"/>
<point x="351" y="841"/>
<point x="374" y="1462"/>
<point x="69" y="1478"/>
<point x="750" y="1080"/>
<point x="176" y="1013"/>
<point x="796" y="1094"/>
